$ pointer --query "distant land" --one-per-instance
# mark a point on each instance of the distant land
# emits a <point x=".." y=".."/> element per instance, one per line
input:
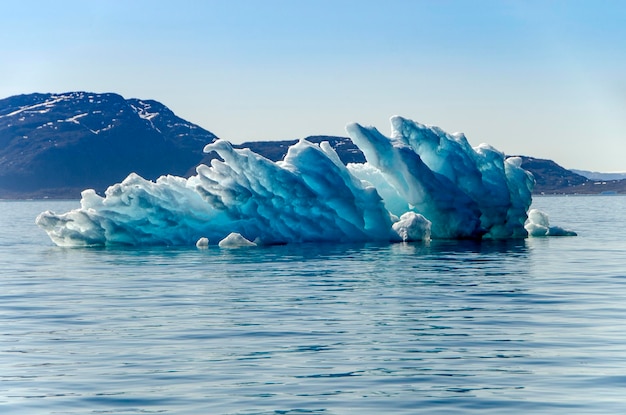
<point x="52" y="145"/>
<point x="56" y="145"/>
<point x="594" y="175"/>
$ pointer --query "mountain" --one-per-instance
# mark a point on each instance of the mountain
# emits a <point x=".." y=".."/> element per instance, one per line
<point x="550" y="177"/>
<point x="594" y="175"/>
<point x="58" y="144"/>
<point x="347" y="151"/>
<point x="554" y="179"/>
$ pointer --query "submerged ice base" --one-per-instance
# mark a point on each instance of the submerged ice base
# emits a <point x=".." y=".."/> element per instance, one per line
<point x="419" y="184"/>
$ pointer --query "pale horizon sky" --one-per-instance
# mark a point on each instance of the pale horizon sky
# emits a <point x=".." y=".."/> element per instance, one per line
<point x="540" y="78"/>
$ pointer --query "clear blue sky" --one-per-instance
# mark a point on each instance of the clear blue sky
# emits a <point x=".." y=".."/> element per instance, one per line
<point x="542" y="78"/>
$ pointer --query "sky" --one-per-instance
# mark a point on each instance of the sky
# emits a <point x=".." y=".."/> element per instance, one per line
<point x="543" y="78"/>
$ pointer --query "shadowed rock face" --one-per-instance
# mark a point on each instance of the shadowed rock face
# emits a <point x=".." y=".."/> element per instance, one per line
<point x="55" y="144"/>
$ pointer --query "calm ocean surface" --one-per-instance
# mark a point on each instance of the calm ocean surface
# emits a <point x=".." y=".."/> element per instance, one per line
<point x="536" y="326"/>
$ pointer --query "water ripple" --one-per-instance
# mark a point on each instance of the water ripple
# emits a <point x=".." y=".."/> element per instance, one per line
<point x="531" y="326"/>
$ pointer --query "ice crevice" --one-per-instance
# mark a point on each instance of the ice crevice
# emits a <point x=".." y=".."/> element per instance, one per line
<point x="418" y="184"/>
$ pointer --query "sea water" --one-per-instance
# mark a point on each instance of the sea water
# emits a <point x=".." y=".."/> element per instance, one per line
<point x="525" y="326"/>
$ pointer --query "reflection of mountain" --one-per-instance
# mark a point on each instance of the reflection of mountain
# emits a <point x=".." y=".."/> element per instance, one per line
<point x="56" y="145"/>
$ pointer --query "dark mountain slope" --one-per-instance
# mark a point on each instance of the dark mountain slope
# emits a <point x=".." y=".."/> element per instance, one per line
<point x="52" y="144"/>
<point x="549" y="176"/>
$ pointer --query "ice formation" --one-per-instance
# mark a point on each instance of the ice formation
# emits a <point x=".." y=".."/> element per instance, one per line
<point x="202" y="243"/>
<point x="538" y="224"/>
<point x="235" y="240"/>
<point x="421" y="183"/>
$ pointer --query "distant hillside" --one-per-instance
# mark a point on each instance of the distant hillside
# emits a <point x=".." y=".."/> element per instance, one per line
<point x="594" y="175"/>
<point x="550" y="177"/>
<point x="347" y="151"/>
<point x="554" y="179"/>
<point x="58" y="144"/>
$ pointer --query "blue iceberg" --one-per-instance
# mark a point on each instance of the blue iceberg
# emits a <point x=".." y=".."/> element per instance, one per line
<point x="418" y="184"/>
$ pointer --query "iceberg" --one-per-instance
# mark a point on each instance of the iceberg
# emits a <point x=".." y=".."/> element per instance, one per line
<point x="418" y="184"/>
<point x="202" y="243"/>
<point x="235" y="240"/>
<point x="538" y="224"/>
